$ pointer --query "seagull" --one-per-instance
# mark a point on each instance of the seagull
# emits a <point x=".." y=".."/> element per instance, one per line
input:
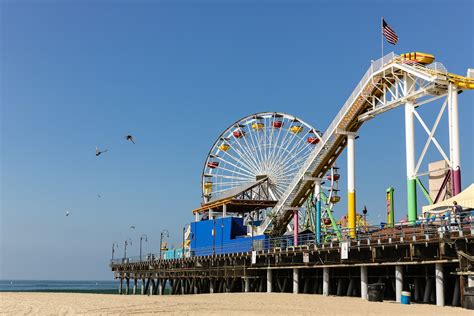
<point x="98" y="195"/>
<point x="67" y="213"/>
<point x="132" y="227"/>
<point x="130" y="138"/>
<point x="98" y="151"/>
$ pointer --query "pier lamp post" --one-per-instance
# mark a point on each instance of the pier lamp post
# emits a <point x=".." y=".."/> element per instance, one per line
<point x="161" y="238"/>
<point x="364" y="211"/>
<point x="127" y="242"/>
<point x="252" y="214"/>
<point x="144" y="236"/>
<point x="114" y="245"/>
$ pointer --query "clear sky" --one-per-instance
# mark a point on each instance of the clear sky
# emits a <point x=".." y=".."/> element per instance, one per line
<point x="175" y="74"/>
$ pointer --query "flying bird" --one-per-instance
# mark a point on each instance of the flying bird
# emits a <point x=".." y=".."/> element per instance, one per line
<point x="98" y="195"/>
<point x="67" y="213"/>
<point x="130" y="138"/>
<point x="98" y="151"/>
<point x="132" y="227"/>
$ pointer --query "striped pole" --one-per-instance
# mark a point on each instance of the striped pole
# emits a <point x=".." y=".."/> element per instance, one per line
<point x="410" y="153"/>
<point x="295" y="230"/>
<point x="351" y="201"/>
<point x="454" y="139"/>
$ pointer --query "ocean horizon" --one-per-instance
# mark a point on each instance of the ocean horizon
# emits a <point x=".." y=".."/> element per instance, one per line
<point x="87" y="286"/>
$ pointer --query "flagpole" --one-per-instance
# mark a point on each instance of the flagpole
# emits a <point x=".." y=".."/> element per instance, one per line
<point x="381" y="33"/>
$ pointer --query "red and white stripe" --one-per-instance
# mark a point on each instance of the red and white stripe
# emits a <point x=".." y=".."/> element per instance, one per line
<point x="389" y="33"/>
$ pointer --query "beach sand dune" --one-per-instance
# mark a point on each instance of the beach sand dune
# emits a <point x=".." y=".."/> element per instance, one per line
<point x="205" y="304"/>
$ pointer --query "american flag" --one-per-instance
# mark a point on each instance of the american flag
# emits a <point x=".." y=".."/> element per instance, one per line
<point x="389" y="34"/>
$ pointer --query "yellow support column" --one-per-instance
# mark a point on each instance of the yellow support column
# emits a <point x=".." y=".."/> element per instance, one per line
<point x="351" y="200"/>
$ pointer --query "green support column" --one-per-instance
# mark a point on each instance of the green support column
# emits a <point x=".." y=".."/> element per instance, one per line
<point x="412" y="207"/>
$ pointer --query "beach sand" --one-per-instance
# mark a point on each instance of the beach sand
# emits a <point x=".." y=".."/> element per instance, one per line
<point x="205" y="304"/>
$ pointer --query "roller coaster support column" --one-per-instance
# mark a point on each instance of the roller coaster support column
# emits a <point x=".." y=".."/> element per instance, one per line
<point x="454" y="139"/>
<point x="317" y="217"/>
<point x="351" y="201"/>
<point x="410" y="152"/>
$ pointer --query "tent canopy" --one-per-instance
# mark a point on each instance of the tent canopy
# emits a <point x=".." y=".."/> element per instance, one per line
<point x="465" y="199"/>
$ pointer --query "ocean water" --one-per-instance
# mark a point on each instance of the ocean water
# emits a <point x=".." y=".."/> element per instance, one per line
<point x="59" y="286"/>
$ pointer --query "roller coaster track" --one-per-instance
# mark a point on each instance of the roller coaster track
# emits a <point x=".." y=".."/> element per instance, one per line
<point x="389" y="82"/>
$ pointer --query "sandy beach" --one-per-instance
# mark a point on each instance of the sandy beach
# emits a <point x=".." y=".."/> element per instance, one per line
<point x="217" y="304"/>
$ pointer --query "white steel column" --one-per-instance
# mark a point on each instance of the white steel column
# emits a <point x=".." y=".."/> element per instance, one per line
<point x="454" y="152"/>
<point x="150" y="286"/>
<point x="224" y="210"/>
<point x="439" y="284"/>
<point x="160" y="286"/>
<point x="398" y="282"/>
<point x="351" y="203"/>
<point x="269" y="280"/>
<point x="212" y="283"/>
<point x="247" y="284"/>
<point x="317" y="215"/>
<point x="296" y="280"/>
<point x="410" y="152"/>
<point x="325" y="281"/>
<point x="196" y="217"/>
<point x="364" y="280"/>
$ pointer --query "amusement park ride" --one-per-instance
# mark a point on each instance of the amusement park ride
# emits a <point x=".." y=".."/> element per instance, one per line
<point x="278" y="175"/>
<point x="270" y="185"/>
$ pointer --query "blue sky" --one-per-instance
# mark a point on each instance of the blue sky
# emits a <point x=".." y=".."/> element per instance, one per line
<point x="174" y="75"/>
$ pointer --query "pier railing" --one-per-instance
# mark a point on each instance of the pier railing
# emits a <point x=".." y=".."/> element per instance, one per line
<point x="426" y="230"/>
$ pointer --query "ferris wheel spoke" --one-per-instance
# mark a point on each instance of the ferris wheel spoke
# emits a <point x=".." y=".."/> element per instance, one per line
<point x="277" y="147"/>
<point x="238" y="167"/>
<point x="244" y="162"/>
<point x="224" y="176"/>
<point x="305" y="147"/>
<point x="276" y="140"/>
<point x="299" y="142"/>
<point x="233" y="172"/>
<point x="301" y="145"/>
<point x="250" y="162"/>
<point x="265" y="137"/>
<point x="279" y="191"/>
<point x="248" y="150"/>
<point x="254" y="146"/>
<point x="281" y="158"/>
<point x="285" y="149"/>
<point x="284" y="145"/>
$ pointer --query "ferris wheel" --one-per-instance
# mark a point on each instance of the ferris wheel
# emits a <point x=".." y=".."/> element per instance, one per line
<point x="267" y="145"/>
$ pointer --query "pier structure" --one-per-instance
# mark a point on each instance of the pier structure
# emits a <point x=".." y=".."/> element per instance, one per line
<point x="270" y="188"/>
<point x="424" y="261"/>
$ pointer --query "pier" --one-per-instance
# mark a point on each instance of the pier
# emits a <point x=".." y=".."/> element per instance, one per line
<point x="424" y="261"/>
